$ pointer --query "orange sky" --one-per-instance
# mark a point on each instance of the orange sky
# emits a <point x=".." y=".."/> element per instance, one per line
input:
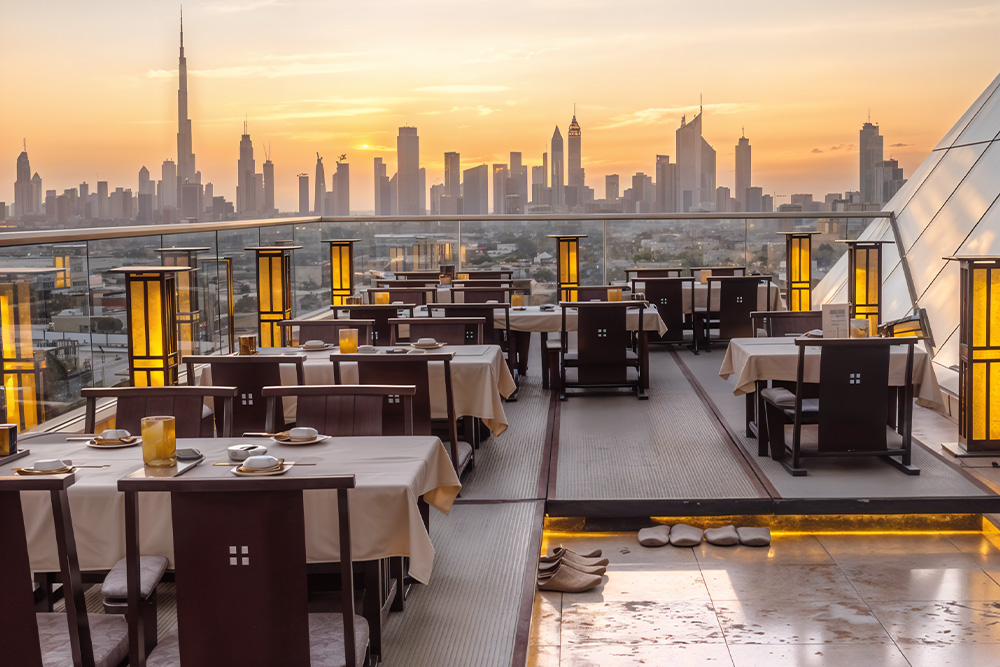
<point x="92" y="86"/>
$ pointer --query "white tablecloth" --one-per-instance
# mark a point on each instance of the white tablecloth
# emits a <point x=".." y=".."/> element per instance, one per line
<point x="390" y="473"/>
<point x="752" y="359"/>
<point x="479" y="375"/>
<point x="532" y="318"/>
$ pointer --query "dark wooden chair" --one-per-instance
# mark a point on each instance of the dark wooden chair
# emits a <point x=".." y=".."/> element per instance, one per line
<point x="380" y="314"/>
<point x="778" y="323"/>
<point x="430" y="276"/>
<point x="240" y="563"/>
<point x="494" y="332"/>
<point x="29" y="639"/>
<point x="413" y="296"/>
<point x="640" y="273"/>
<point x="343" y="410"/>
<point x="450" y="330"/>
<point x="194" y="418"/>
<point x="604" y="354"/>
<point x="667" y="294"/>
<point x="327" y="331"/>
<point x="718" y="271"/>
<point x="410" y="369"/>
<point x="411" y="282"/>
<point x="854" y="409"/>
<point x="487" y="274"/>
<point x="249" y="374"/>
<point x="599" y="292"/>
<point x="483" y="282"/>
<point x="737" y="300"/>
<point x="480" y="294"/>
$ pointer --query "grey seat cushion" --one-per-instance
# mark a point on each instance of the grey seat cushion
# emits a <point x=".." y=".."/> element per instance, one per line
<point x="754" y="537"/>
<point x="464" y="454"/>
<point x="326" y="643"/>
<point x="654" y="536"/>
<point x="683" y="535"/>
<point x="151" y="569"/>
<point x="108" y="633"/>
<point x="726" y="536"/>
<point x="785" y="400"/>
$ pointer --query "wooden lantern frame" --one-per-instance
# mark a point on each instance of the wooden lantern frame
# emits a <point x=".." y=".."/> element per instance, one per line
<point x="798" y="269"/>
<point x="274" y="291"/>
<point x="341" y="270"/>
<point x="568" y="264"/>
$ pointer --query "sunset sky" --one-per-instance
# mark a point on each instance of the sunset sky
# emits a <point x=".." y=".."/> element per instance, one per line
<point x="92" y="86"/>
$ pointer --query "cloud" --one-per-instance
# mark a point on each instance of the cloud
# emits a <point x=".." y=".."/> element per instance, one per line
<point x="816" y="150"/>
<point x="265" y="71"/>
<point x="377" y="149"/>
<point x="657" y="115"/>
<point x="838" y="147"/>
<point x="899" y="145"/>
<point x="480" y="109"/>
<point x="462" y="89"/>
<point x="239" y="7"/>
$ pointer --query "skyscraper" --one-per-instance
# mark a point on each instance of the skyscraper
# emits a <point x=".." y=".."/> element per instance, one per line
<point x="666" y="185"/>
<point x="558" y="196"/>
<point x="303" y="194"/>
<point x="742" y="172"/>
<point x="23" y="199"/>
<point x="695" y="167"/>
<point x="320" y="198"/>
<point x="870" y="142"/>
<point x="168" y="188"/>
<point x="475" y="197"/>
<point x="452" y="175"/>
<point x="500" y="176"/>
<point x="408" y="172"/>
<point x="145" y="185"/>
<point x="246" y="183"/>
<point x="268" y="185"/>
<point x="888" y="180"/>
<point x="576" y="174"/>
<point x="381" y="187"/>
<point x="342" y="188"/>
<point x="611" y="187"/>
<point x="185" y="155"/>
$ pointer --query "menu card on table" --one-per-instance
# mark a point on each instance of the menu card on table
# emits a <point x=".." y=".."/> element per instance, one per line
<point x="835" y="320"/>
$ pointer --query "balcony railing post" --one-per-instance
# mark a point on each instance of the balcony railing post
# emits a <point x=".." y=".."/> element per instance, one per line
<point x="605" y="262"/>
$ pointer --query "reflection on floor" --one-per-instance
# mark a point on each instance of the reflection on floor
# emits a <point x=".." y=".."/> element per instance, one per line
<point x="810" y="599"/>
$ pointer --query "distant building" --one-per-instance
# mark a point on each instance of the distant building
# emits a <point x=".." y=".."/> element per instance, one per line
<point x="742" y="172"/>
<point x="168" y="186"/>
<point x="24" y="200"/>
<point x="695" y="167"/>
<point x="870" y="143"/>
<point x="722" y="199"/>
<point x="475" y="195"/>
<point x="888" y="180"/>
<point x="575" y="174"/>
<point x="422" y="191"/>
<point x="452" y="175"/>
<point x="408" y="172"/>
<point x="319" y="206"/>
<point x="666" y="185"/>
<point x="246" y="185"/>
<point x="437" y="193"/>
<point x="381" y="187"/>
<point x="303" y="194"/>
<point x="519" y="179"/>
<point x="269" y="209"/>
<point x="500" y="176"/>
<point x="186" y="172"/>
<point x="754" y="198"/>
<point x="558" y="194"/>
<point x="341" y="187"/>
<point x="611" y="187"/>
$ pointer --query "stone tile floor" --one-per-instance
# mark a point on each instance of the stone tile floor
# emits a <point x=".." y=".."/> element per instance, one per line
<point x="919" y="599"/>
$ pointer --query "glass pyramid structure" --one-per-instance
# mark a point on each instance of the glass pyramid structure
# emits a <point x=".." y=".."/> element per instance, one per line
<point x="950" y="206"/>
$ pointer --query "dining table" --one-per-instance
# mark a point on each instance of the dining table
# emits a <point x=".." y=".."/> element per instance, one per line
<point x="768" y="297"/>
<point x="398" y="478"/>
<point x="479" y="374"/>
<point x="756" y="361"/>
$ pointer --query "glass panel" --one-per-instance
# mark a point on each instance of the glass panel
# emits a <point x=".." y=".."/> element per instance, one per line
<point x="231" y="243"/>
<point x="207" y="337"/>
<point x="935" y="190"/>
<point x="895" y="295"/>
<point x="942" y="304"/>
<point x="958" y="216"/>
<point x="985" y="238"/>
<point x="983" y="127"/>
<point x="963" y="122"/>
<point x="310" y="271"/>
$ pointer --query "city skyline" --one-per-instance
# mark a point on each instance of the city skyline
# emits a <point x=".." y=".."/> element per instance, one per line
<point x="487" y="119"/>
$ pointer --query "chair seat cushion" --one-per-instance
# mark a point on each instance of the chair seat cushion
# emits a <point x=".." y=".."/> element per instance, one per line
<point x="573" y="359"/>
<point x="464" y="454"/>
<point x="785" y="400"/>
<point x="108" y="633"/>
<point x="151" y="569"/>
<point x="326" y="643"/>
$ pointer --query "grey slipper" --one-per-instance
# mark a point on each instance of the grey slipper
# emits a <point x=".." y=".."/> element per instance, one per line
<point x="754" y="537"/>
<point x="683" y="535"/>
<point x="722" y="537"/>
<point x="654" y="536"/>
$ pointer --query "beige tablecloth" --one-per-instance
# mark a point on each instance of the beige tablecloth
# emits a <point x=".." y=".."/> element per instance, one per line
<point x="549" y="321"/>
<point x="752" y="359"/>
<point x="391" y="473"/>
<point x="479" y="375"/>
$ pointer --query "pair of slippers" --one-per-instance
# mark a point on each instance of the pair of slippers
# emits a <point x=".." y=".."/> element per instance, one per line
<point x="570" y="572"/>
<point x="683" y="535"/>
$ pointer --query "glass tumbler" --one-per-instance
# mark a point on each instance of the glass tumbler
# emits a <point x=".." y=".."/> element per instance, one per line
<point x="159" y="442"/>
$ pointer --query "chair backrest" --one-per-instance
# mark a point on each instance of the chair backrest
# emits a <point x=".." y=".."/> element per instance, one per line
<point x="414" y="296"/>
<point x="640" y="273"/>
<point x="19" y="638"/>
<point x="380" y="314"/>
<point x="667" y="294"/>
<point x="450" y="330"/>
<point x="431" y="276"/>
<point x="779" y="323"/>
<point x="599" y="292"/>
<point x="602" y="339"/>
<point x="249" y="374"/>
<point x="327" y="331"/>
<point x="343" y="410"/>
<point x="405" y="369"/>
<point x="494" y="333"/>
<point x="411" y="282"/>
<point x="240" y="561"/>
<point x="718" y="271"/>
<point x="737" y="299"/>
<point x="499" y="294"/>
<point x="854" y="381"/>
<point x="483" y="282"/>
<point x="185" y="403"/>
<point x="487" y="274"/>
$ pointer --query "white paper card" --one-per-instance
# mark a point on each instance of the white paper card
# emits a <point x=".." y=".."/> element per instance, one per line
<point x="835" y="320"/>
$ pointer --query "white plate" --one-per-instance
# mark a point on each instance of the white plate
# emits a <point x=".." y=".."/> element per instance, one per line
<point x="92" y="443"/>
<point x="284" y="468"/>
<point x="328" y="346"/>
<point x="294" y="443"/>
<point x="427" y="346"/>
